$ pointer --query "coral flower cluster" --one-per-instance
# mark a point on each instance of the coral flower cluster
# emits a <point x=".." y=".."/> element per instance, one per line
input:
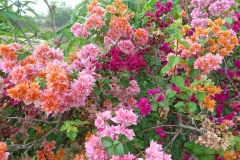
<point x="43" y="79"/>
<point x="3" y="148"/>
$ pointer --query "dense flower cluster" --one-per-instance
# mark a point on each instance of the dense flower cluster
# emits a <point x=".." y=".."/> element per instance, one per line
<point x="215" y="8"/>
<point x="116" y="83"/>
<point x="58" y="93"/>
<point x="155" y="151"/>
<point x="123" y="118"/>
<point x="47" y="151"/>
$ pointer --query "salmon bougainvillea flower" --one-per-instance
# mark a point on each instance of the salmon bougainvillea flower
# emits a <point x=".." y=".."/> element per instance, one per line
<point x="3" y="148"/>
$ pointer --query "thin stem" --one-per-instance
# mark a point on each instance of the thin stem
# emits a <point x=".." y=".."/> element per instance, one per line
<point x="28" y="40"/>
<point x="229" y="78"/>
<point x="52" y="17"/>
<point x="31" y="144"/>
<point x="31" y="119"/>
<point x="175" y="136"/>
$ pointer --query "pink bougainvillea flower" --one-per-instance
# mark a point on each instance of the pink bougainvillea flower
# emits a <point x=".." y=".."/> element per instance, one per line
<point x="236" y="106"/>
<point x="155" y="151"/>
<point x="144" y="107"/>
<point x="125" y="117"/>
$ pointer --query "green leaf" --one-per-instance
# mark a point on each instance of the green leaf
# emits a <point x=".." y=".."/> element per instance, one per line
<point x="228" y="20"/>
<point x="188" y="144"/>
<point x="72" y="135"/>
<point x="208" y="151"/>
<point x="68" y="126"/>
<point x="172" y="46"/>
<point x="179" y="81"/>
<point x="179" y="36"/>
<point x="194" y="73"/>
<point x="165" y="69"/>
<point x="224" y="28"/>
<point x="169" y="39"/>
<point x="202" y="41"/>
<point x="186" y="44"/>
<point x="154" y="106"/>
<point x="31" y="133"/>
<point x="110" y="151"/>
<point x="11" y="15"/>
<point x="74" y="129"/>
<point x="118" y="149"/>
<point x="170" y="93"/>
<point x="107" y="141"/>
<point x="200" y="96"/>
<point x="97" y="91"/>
<point x="192" y="106"/>
<point x="173" y="61"/>
<point x="105" y="28"/>
<point x="78" y="122"/>
<point x="163" y="103"/>
<point x="237" y="139"/>
<point x="139" y="143"/>
<point x="179" y="105"/>
<point x="195" y="82"/>
<point x="63" y="127"/>
<point x="190" y="61"/>
<point x="81" y="42"/>
<point x="106" y="87"/>
<point x="183" y="96"/>
<point x="115" y="142"/>
<point x="126" y="149"/>
<point x="197" y="151"/>
<point x="133" y="5"/>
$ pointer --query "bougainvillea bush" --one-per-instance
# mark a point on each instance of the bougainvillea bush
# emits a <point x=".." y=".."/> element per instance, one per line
<point x="164" y="87"/>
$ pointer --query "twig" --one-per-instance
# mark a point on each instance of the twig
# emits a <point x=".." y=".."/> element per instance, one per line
<point x="161" y="126"/>
<point x="52" y="17"/>
<point x="8" y="6"/>
<point x="29" y="42"/>
<point x="175" y="136"/>
<point x="31" y="119"/>
<point x="31" y="144"/>
<point x="3" y="39"/>
<point x="229" y="78"/>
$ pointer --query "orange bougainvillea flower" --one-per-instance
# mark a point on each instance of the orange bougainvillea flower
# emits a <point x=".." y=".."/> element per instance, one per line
<point x="93" y="4"/>
<point x="25" y="92"/>
<point x="59" y="155"/>
<point x="7" y="52"/>
<point x="3" y="149"/>
<point x="3" y="146"/>
<point x="234" y="40"/>
<point x="49" y="102"/>
<point x="33" y="93"/>
<point x="231" y="155"/>
<point x="213" y="48"/>
<point x="209" y="103"/>
<point x="79" y="157"/>
<point x="182" y="14"/>
<point x="222" y="41"/>
<point x="28" y="60"/>
<point x="225" y="33"/>
<point x="213" y="89"/>
<point x="210" y="42"/>
<point x="210" y="22"/>
<point x="18" y="92"/>
<point x="88" y="135"/>
<point x="219" y="21"/>
<point x="223" y="52"/>
<point x="216" y="28"/>
<point x="57" y="79"/>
